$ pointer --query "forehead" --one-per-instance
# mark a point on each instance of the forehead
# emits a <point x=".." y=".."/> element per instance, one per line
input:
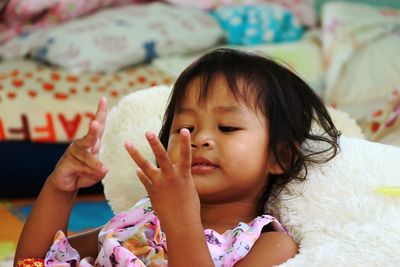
<point x="216" y="90"/>
<point x="218" y="97"/>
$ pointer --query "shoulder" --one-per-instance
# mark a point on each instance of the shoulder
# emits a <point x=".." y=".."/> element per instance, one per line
<point x="271" y="248"/>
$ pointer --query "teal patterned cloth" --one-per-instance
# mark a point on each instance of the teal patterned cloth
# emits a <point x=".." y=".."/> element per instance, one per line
<point x="258" y="24"/>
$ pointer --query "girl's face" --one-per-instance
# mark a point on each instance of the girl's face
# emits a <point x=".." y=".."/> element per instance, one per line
<point x="230" y="158"/>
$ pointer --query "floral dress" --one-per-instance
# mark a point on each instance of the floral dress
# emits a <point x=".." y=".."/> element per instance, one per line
<point x="134" y="238"/>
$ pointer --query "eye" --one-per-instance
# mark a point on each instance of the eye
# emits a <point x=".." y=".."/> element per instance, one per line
<point x="228" y="128"/>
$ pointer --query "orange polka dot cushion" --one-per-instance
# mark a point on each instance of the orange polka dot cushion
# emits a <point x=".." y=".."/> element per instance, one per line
<point x="46" y="104"/>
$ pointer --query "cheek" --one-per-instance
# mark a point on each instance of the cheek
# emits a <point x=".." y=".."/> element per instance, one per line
<point x="252" y="151"/>
<point x="250" y="145"/>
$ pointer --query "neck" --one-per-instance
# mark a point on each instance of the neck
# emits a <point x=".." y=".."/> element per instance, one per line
<point x="222" y="217"/>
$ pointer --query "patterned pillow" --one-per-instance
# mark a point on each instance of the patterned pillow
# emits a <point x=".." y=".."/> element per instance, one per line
<point x="118" y="37"/>
<point x="23" y="15"/>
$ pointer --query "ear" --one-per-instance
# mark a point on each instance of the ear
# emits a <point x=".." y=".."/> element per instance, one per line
<point x="285" y="158"/>
<point x="273" y="166"/>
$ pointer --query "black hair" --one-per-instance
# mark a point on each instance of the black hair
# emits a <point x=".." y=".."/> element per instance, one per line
<point x="289" y="105"/>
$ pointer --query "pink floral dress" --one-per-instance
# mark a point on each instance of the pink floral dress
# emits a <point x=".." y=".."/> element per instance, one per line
<point x="134" y="238"/>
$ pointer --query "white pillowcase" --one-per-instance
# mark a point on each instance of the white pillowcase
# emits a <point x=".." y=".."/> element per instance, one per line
<point x="303" y="57"/>
<point x="361" y="45"/>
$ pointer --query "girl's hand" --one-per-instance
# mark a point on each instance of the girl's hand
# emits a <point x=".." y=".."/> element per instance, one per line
<point x="79" y="167"/>
<point x="170" y="187"/>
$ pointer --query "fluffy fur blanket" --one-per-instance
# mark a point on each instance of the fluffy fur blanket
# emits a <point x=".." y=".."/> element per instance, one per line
<point x="336" y="215"/>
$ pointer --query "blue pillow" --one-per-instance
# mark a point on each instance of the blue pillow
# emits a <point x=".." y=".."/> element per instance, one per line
<point x="258" y="24"/>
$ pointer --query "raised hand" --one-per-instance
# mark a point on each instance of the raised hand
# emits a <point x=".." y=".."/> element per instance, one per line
<point x="79" y="167"/>
<point x="170" y="186"/>
<point x="174" y="198"/>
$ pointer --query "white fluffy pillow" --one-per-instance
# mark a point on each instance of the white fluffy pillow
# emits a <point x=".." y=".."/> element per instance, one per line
<point x="134" y="115"/>
<point x="335" y="215"/>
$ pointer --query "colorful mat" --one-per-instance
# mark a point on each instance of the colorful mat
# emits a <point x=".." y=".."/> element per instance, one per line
<point x="88" y="212"/>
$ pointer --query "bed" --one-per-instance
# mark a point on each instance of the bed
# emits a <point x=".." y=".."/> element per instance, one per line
<point x="58" y="58"/>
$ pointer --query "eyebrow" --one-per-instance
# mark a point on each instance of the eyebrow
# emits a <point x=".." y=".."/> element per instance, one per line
<point x="219" y="109"/>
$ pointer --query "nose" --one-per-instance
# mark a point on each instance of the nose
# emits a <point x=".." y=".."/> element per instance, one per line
<point x="202" y="140"/>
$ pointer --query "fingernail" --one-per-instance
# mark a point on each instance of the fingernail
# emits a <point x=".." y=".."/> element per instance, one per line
<point x="94" y="123"/>
<point x="128" y="145"/>
<point x="184" y="132"/>
<point x="150" y="135"/>
<point x="104" y="168"/>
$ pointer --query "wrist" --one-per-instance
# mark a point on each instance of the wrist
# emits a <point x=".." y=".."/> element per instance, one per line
<point x="51" y="187"/>
<point x="182" y="226"/>
<point x="187" y="238"/>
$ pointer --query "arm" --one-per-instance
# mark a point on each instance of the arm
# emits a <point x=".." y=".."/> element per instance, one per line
<point x="77" y="168"/>
<point x="187" y="245"/>
<point x="270" y="249"/>
<point x="49" y="214"/>
<point x="86" y="243"/>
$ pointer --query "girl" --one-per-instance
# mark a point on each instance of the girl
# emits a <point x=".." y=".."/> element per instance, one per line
<point x="234" y="133"/>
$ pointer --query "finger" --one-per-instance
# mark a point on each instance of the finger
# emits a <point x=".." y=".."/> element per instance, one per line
<point x="84" y="156"/>
<point x="159" y="152"/>
<point x="185" y="157"/>
<point x="96" y="147"/>
<point x="100" y="118"/>
<point x="90" y="139"/>
<point x="87" y="179"/>
<point x="146" y="166"/>
<point x="146" y="181"/>
<point x="85" y="172"/>
<point x="101" y="114"/>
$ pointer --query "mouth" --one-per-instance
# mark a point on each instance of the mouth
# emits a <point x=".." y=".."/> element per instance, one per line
<point x="203" y="166"/>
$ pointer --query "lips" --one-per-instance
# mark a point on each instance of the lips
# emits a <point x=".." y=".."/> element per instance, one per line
<point x="202" y="165"/>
